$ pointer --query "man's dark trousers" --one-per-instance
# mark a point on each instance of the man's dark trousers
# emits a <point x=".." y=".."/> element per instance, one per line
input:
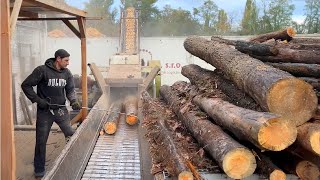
<point x="45" y="119"/>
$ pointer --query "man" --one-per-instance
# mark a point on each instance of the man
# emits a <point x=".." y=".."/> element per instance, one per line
<point x="54" y="83"/>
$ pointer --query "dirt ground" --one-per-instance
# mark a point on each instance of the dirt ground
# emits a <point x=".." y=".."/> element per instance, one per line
<point x="24" y="144"/>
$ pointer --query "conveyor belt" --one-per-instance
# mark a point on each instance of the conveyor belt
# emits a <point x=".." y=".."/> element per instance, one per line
<point x="115" y="156"/>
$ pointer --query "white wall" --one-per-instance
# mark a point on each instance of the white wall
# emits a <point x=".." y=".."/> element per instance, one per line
<point x="169" y="50"/>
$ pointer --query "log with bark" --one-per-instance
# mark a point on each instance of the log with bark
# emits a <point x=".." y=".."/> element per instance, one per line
<point x="308" y="54"/>
<point x="234" y="159"/>
<point x="292" y="164"/>
<point x="265" y="130"/>
<point x="309" y="137"/>
<point x="130" y="105"/>
<point x="110" y="127"/>
<point x="276" y="91"/>
<point x="267" y="168"/>
<point x="285" y="34"/>
<point x="175" y="162"/>
<point x="315" y="41"/>
<point x="299" y="69"/>
<point x="208" y="81"/>
<point x="315" y="82"/>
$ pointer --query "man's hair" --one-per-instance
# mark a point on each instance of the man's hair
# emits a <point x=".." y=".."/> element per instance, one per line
<point x="61" y="53"/>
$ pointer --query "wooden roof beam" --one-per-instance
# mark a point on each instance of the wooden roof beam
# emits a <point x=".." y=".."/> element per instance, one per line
<point x="59" y="7"/>
<point x="14" y="15"/>
<point x="72" y="28"/>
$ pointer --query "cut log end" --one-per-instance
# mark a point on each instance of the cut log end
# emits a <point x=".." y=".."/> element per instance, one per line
<point x="291" y="32"/>
<point x="307" y="170"/>
<point x="185" y="175"/>
<point x="239" y="163"/>
<point x="278" y="175"/>
<point x="315" y="142"/>
<point x="110" y="128"/>
<point x="131" y="119"/>
<point x="301" y="100"/>
<point x="277" y="134"/>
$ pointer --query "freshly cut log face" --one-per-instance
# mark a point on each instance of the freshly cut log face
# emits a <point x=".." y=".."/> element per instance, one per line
<point x="111" y="124"/>
<point x="264" y="130"/>
<point x="309" y="137"/>
<point x="275" y="90"/>
<point x="307" y="170"/>
<point x="234" y="159"/>
<point x="131" y="109"/>
<point x="278" y="175"/>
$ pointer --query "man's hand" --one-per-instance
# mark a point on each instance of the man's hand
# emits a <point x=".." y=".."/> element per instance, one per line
<point x="43" y="104"/>
<point x="75" y="105"/>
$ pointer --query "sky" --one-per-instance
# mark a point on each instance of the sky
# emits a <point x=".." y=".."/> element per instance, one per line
<point x="235" y="7"/>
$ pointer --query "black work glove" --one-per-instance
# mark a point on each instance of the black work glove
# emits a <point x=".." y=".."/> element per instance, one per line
<point x="43" y="104"/>
<point x="75" y="105"/>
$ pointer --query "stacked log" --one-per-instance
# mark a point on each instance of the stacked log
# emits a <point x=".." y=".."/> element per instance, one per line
<point x="233" y="158"/>
<point x="274" y="90"/>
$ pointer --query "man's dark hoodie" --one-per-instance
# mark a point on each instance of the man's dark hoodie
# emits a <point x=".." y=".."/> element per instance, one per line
<point x="52" y="84"/>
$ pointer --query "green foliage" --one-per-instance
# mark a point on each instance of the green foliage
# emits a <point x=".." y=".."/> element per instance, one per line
<point x="223" y="25"/>
<point x="280" y="14"/>
<point x="312" y="21"/>
<point x="102" y="8"/>
<point x="249" y="21"/>
<point x="207" y="13"/>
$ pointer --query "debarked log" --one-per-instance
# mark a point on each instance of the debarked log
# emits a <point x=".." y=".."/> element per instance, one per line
<point x="110" y="127"/>
<point x="276" y="91"/>
<point x="234" y="159"/>
<point x="130" y="105"/>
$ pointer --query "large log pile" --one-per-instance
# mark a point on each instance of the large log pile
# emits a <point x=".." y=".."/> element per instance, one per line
<point x="261" y="99"/>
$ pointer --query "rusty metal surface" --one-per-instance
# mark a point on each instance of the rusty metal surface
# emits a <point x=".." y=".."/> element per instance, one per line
<point x="74" y="157"/>
<point x="116" y="156"/>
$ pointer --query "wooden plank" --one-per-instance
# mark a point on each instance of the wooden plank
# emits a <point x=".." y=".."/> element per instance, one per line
<point x="98" y="76"/>
<point x="54" y="18"/>
<point x="8" y="167"/>
<point x="81" y="23"/>
<point x="28" y="14"/>
<point x="72" y="28"/>
<point x="14" y="15"/>
<point x="26" y="108"/>
<point x="149" y="79"/>
<point x="59" y="7"/>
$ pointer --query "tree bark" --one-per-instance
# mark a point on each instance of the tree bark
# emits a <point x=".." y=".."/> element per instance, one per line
<point x="233" y="158"/>
<point x="275" y="90"/>
<point x="315" y="82"/>
<point x="110" y="127"/>
<point x="306" y="41"/>
<point x="285" y="34"/>
<point x="176" y="164"/>
<point x="299" y="69"/>
<point x="210" y="80"/>
<point x="131" y="109"/>
<point x="265" y="130"/>
<point x="309" y="136"/>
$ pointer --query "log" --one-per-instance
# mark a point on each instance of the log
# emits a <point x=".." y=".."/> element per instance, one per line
<point x="315" y="82"/>
<point x="176" y="164"/>
<point x="267" y="168"/>
<point x="306" y="41"/>
<point x="131" y="109"/>
<point x="305" y="170"/>
<point x="299" y="69"/>
<point x="285" y="34"/>
<point x="309" y="137"/>
<point x="110" y="127"/>
<point x="292" y="56"/>
<point x="265" y="130"/>
<point x="249" y="47"/>
<point x="210" y="80"/>
<point x="274" y="90"/>
<point x="234" y="159"/>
